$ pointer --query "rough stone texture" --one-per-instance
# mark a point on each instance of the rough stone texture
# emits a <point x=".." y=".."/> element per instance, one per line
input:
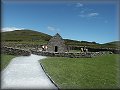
<point x="57" y="42"/>
<point x="14" y="51"/>
<point x="71" y="55"/>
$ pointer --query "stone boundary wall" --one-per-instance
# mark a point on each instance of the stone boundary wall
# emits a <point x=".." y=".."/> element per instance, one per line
<point x="14" y="51"/>
<point x="22" y="52"/>
<point x="115" y="51"/>
<point x="33" y="46"/>
<point x="72" y="55"/>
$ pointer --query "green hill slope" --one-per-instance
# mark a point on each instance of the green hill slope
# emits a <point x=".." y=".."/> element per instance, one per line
<point x="24" y="39"/>
<point x="24" y="35"/>
<point x="31" y="37"/>
<point x="113" y="43"/>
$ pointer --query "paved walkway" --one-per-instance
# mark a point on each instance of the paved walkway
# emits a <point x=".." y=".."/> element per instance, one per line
<point x="25" y="72"/>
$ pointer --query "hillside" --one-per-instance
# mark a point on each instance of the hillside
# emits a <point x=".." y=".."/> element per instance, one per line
<point x="80" y="43"/>
<point x="34" y="36"/>
<point x="24" y="39"/>
<point x="113" y="43"/>
<point x="24" y="35"/>
<point x="31" y="37"/>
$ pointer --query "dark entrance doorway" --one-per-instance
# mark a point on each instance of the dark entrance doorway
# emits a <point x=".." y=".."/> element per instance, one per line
<point x="56" y="48"/>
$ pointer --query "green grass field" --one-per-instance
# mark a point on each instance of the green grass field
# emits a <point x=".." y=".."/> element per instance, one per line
<point x="76" y="73"/>
<point x="5" y="60"/>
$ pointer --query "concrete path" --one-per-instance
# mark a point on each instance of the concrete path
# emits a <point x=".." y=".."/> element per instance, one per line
<point x="25" y="72"/>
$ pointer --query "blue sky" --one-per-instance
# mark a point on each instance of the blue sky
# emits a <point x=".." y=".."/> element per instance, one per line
<point x="83" y="21"/>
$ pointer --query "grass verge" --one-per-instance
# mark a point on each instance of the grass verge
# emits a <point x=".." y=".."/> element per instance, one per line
<point x="5" y="60"/>
<point x="80" y="73"/>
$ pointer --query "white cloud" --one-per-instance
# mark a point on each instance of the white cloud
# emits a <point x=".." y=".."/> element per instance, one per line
<point x="53" y="29"/>
<point x="93" y="14"/>
<point x="79" y="5"/>
<point x="6" y="29"/>
<point x="88" y="14"/>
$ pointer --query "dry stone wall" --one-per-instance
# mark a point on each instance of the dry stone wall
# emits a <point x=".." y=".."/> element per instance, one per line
<point x="21" y="52"/>
<point x="71" y="55"/>
<point x="14" y="51"/>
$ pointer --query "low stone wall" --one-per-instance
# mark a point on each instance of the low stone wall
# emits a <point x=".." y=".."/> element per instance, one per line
<point x="115" y="51"/>
<point x="71" y="55"/>
<point x="90" y="49"/>
<point x="21" y="52"/>
<point x="14" y="51"/>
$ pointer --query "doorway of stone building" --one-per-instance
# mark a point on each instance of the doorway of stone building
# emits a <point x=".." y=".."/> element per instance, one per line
<point x="56" y="48"/>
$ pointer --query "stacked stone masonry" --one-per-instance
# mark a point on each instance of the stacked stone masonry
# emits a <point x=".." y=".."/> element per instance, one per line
<point x="72" y="55"/>
<point x="56" y="44"/>
<point x="21" y="52"/>
<point x="14" y="51"/>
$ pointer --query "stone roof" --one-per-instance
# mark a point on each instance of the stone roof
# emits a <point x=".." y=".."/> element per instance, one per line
<point x="57" y="35"/>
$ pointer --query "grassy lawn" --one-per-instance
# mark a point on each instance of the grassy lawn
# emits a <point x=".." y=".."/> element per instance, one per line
<point x="5" y="60"/>
<point x="97" y="72"/>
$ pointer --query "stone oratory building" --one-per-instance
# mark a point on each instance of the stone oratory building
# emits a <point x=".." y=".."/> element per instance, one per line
<point x="56" y="44"/>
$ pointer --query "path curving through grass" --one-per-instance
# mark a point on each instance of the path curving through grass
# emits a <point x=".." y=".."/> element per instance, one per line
<point x="25" y="72"/>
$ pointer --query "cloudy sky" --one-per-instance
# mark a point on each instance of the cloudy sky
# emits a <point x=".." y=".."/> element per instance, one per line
<point x="78" y="20"/>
